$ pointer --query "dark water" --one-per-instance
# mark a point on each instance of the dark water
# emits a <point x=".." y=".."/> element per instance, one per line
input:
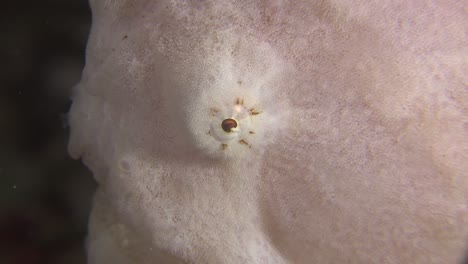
<point x="45" y="196"/>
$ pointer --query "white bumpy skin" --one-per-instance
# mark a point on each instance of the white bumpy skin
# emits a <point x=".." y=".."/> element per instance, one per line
<point x="344" y="140"/>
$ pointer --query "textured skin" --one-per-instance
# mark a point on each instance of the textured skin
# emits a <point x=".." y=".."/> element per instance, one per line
<point x="360" y="152"/>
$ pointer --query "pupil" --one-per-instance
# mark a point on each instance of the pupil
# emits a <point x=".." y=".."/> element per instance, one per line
<point x="228" y="124"/>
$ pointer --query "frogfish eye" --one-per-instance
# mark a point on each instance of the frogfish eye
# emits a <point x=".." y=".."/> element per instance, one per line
<point x="229" y="124"/>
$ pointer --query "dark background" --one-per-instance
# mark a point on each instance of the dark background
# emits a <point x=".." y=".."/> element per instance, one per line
<point x="45" y="196"/>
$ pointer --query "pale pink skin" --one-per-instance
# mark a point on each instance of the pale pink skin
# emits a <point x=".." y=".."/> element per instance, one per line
<point x="360" y="154"/>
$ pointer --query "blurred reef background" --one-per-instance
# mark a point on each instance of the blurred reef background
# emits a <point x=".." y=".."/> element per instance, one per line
<point x="45" y="196"/>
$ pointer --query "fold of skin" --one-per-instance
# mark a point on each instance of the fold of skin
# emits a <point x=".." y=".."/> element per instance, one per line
<point x="354" y="150"/>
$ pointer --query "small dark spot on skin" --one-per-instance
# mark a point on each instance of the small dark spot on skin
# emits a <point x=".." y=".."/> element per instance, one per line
<point x="243" y="142"/>
<point x="251" y="132"/>
<point x="125" y="37"/>
<point x="228" y="124"/>
<point x="239" y="82"/>
<point x="214" y="111"/>
<point x="224" y="146"/>
<point x="239" y="101"/>
<point x="253" y="112"/>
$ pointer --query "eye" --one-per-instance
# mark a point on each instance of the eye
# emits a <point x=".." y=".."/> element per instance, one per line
<point x="230" y="124"/>
<point x="232" y="127"/>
